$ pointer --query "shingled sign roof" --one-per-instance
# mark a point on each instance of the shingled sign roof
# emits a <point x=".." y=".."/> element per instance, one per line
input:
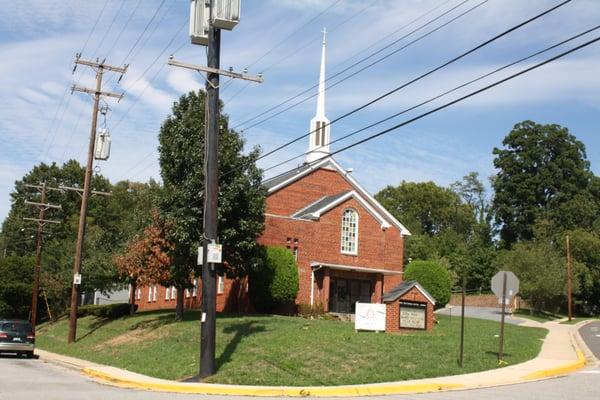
<point x="404" y="288"/>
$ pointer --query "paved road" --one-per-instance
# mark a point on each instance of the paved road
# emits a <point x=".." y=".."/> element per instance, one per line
<point x="491" y="313"/>
<point x="591" y="335"/>
<point x="22" y="379"/>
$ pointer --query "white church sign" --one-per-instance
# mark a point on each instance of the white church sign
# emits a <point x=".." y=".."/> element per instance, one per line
<point x="369" y="317"/>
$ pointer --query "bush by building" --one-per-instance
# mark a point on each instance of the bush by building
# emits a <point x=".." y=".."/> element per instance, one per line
<point x="275" y="283"/>
<point x="434" y="277"/>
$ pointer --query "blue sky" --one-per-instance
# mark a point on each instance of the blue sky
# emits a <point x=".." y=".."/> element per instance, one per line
<point x="41" y="121"/>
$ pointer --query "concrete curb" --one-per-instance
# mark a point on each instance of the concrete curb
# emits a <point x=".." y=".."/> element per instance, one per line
<point x="557" y="371"/>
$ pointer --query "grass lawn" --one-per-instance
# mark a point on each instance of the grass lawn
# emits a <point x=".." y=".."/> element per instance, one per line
<point x="543" y="316"/>
<point x="277" y="350"/>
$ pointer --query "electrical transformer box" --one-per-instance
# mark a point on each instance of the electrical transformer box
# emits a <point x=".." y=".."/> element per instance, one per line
<point x="102" y="151"/>
<point x="226" y="15"/>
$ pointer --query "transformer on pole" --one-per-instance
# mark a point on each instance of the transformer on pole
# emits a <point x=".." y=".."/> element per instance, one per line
<point x="225" y="15"/>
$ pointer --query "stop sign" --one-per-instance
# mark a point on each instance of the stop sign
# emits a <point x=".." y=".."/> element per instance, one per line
<point x="512" y="284"/>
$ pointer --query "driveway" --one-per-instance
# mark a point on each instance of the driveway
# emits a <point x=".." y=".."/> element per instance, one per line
<point x="491" y="313"/>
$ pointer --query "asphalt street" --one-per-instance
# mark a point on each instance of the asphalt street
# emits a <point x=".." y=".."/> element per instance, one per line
<point x="22" y="379"/>
<point x="590" y="333"/>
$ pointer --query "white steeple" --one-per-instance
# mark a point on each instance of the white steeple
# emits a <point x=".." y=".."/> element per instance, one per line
<point x="319" y="126"/>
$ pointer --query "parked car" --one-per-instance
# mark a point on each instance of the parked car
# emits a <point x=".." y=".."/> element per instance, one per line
<point x="17" y="336"/>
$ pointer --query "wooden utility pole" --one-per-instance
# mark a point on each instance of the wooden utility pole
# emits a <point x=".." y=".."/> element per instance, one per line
<point x="569" y="279"/>
<point x="211" y="187"/>
<point x="42" y="206"/>
<point x="99" y="67"/>
<point x="211" y="169"/>
<point x="462" y="322"/>
<point x="501" y="350"/>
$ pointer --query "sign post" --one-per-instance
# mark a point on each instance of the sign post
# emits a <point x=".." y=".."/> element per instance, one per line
<point x="505" y="286"/>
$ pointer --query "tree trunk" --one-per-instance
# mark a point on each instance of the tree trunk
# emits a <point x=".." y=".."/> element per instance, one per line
<point x="132" y="298"/>
<point x="179" y="307"/>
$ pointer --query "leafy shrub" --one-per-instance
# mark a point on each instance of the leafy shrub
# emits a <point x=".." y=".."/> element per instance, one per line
<point x="308" y="311"/>
<point x="434" y="277"/>
<point x="275" y="282"/>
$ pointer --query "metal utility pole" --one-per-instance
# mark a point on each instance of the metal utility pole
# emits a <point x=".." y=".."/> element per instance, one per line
<point x="462" y="322"/>
<point x="501" y="350"/>
<point x="42" y="206"/>
<point x="99" y="67"/>
<point x="569" y="280"/>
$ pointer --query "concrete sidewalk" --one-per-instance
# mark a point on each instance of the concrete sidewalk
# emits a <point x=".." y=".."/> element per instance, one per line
<point x="560" y="354"/>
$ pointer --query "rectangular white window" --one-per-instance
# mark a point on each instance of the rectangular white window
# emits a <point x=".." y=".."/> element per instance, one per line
<point x="221" y="285"/>
<point x="154" y="293"/>
<point x="173" y="293"/>
<point x="187" y="293"/>
<point x="139" y="294"/>
<point x="168" y="293"/>
<point x="195" y="289"/>
<point x="149" y="293"/>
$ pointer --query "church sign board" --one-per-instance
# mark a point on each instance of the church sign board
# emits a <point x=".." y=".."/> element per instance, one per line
<point x="369" y="317"/>
<point x="413" y="315"/>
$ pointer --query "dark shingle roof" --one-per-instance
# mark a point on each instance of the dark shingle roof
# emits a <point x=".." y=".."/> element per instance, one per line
<point x="272" y="182"/>
<point x="319" y="204"/>
<point x="402" y="289"/>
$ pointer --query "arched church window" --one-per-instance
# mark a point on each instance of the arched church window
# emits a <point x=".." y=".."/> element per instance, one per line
<point x="350" y="231"/>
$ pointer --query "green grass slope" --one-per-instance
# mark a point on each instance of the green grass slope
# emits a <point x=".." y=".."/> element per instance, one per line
<point x="277" y="350"/>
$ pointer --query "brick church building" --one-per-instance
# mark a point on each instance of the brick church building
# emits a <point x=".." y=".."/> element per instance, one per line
<point x="348" y="247"/>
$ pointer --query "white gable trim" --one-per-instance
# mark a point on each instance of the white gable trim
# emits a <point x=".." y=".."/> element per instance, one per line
<point x="370" y="199"/>
<point x="353" y="194"/>
<point x="424" y="293"/>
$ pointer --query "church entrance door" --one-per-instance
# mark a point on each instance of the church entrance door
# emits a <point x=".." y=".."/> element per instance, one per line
<point x="344" y="293"/>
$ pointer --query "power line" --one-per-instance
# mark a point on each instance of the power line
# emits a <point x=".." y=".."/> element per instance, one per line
<point x="109" y="27"/>
<point x="446" y="105"/>
<point x="124" y="27"/>
<point x="537" y="53"/>
<point x="364" y="59"/>
<point x="93" y="28"/>
<point x="333" y="4"/>
<point x="398" y="88"/>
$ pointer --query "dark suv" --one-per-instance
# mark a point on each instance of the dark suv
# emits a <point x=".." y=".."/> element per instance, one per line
<point x="16" y="336"/>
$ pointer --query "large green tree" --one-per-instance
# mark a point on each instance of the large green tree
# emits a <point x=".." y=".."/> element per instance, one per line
<point x="543" y="172"/>
<point x="241" y="197"/>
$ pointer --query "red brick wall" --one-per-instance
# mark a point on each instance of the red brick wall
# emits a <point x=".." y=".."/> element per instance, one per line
<point x="320" y="241"/>
<point x="392" y="311"/>
<point x="234" y="298"/>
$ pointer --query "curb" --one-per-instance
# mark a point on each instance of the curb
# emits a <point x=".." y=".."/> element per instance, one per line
<point x="562" y="370"/>
<point x="274" y="391"/>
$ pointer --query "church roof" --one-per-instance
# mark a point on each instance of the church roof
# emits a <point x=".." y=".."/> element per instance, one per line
<point x="404" y="288"/>
<point x="276" y="180"/>
<point x="323" y="203"/>
<point x="280" y="181"/>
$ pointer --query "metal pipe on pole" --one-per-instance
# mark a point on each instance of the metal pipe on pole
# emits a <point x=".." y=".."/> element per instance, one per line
<point x="569" y="280"/>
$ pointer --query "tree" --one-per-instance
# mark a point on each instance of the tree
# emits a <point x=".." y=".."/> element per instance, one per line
<point x="276" y="283"/>
<point x="426" y="208"/>
<point x="434" y="277"/>
<point x="241" y="197"/>
<point x="147" y="259"/>
<point x="15" y="286"/>
<point x="543" y="172"/>
<point x="541" y="271"/>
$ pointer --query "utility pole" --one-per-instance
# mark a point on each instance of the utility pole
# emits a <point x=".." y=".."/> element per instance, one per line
<point x="462" y="321"/>
<point x="203" y="17"/>
<point x="211" y="169"/>
<point x="99" y="67"/>
<point x="569" y="280"/>
<point x="42" y="206"/>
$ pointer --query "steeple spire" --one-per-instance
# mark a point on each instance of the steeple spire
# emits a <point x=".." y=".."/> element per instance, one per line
<point x="319" y="126"/>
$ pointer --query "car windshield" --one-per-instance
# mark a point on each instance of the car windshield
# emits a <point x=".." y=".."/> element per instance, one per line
<point x="20" y="327"/>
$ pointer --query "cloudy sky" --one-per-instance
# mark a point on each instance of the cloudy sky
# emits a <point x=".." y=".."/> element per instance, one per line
<point x="40" y="121"/>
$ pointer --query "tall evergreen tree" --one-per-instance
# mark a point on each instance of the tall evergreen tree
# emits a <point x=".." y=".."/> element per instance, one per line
<point x="241" y="197"/>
